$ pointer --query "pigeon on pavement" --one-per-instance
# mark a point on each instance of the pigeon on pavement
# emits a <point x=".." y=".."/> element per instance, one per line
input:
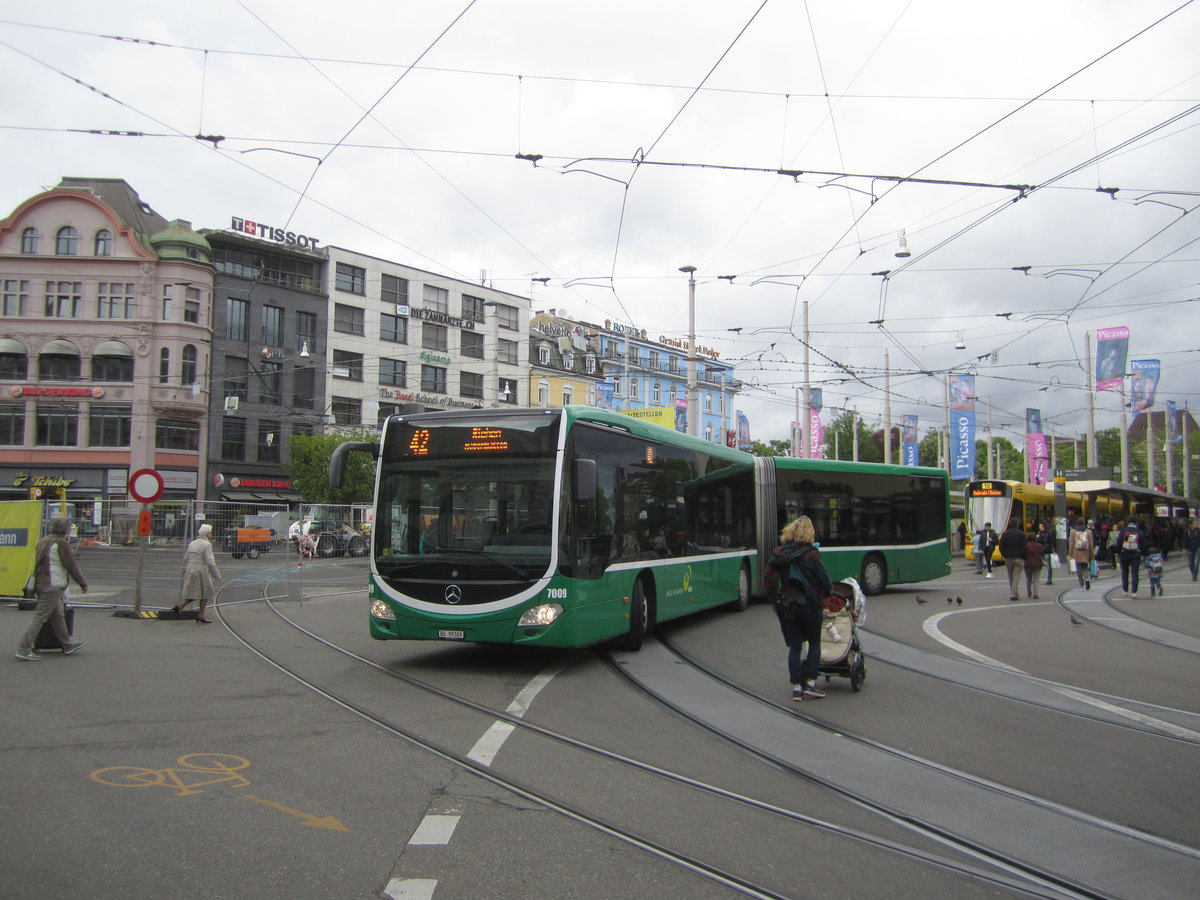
<point x="922" y="600"/>
<point x="1075" y="621"/>
<point x="958" y="600"/>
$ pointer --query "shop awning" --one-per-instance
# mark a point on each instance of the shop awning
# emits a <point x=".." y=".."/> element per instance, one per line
<point x="262" y="497"/>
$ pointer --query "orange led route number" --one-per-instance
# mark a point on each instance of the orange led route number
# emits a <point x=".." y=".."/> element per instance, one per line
<point x="482" y="440"/>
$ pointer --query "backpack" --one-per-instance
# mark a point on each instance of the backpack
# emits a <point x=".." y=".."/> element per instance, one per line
<point x="1129" y="541"/>
<point x="1154" y="565"/>
<point x="1081" y="541"/>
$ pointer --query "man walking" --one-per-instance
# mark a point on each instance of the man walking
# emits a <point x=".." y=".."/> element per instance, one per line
<point x="55" y="568"/>
<point x="1133" y="548"/>
<point x="1013" y="545"/>
<point x="1191" y="545"/>
<point x="985" y="545"/>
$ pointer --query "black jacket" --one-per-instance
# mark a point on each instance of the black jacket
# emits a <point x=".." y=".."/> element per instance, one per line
<point x="1191" y="540"/>
<point x="1013" y="544"/>
<point x="801" y="574"/>
<point x="1141" y="542"/>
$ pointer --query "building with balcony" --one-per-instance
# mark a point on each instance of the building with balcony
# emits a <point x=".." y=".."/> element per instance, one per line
<point x="105" y="336"/>
<point x="642" y="372"/>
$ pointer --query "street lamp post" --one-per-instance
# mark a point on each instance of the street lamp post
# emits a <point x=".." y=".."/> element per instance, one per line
<point x="693" y="407"/>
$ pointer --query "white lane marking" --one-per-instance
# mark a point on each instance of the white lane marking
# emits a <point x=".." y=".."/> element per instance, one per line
<point x="410" y="889"/>
<point x="493" y="739"/>
<point x="489" y="745"/>
<point x="930" y="627"/>
<point x="434" y="829"/>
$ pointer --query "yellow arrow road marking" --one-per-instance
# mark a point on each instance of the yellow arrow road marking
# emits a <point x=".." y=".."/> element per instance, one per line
<point x="315" y="821"/>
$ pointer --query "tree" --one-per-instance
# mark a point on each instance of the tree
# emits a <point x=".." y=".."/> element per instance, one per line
<point x="929" y="451"/>
<point x="775" y="448"/>
<point x="839" y="439"/>
<point x="310" y="468"/>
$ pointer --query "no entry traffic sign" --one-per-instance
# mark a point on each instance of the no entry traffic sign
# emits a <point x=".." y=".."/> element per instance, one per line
<point x="145" y="485"/>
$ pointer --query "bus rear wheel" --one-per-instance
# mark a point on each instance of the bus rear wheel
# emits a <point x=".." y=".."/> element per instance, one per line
<point x="639" y="617"/>
<point x="873" y="577"/>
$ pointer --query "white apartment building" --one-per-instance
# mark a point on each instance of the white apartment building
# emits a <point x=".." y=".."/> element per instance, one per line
<point x="406" y="340"/>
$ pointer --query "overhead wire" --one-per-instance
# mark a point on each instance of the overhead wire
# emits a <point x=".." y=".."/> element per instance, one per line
<point x="345" y="141"/>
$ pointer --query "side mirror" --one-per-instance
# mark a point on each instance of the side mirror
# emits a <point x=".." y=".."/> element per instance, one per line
<point x="583" y="480"/>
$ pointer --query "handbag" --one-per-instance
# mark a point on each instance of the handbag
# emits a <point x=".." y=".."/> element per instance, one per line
<point x="1092" y="570"/>
<point x="1055" y="562"/>
<point x="30" y="589"/>
<point x="1070" y="564"/>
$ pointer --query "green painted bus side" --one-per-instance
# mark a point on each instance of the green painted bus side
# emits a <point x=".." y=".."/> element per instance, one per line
<point x="876" y="523"/>
<point x="633" y="525"/>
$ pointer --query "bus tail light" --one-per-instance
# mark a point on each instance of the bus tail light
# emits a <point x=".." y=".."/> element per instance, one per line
<point x="546" y="614"/>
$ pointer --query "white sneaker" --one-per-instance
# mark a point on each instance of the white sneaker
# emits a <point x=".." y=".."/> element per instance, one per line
<point x="989" y="575"/>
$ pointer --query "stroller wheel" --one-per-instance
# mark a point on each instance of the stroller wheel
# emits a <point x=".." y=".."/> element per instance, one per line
<point x="858" y="673"/>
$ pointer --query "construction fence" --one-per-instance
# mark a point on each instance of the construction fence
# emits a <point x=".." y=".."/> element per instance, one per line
<point x="112" y="553"/>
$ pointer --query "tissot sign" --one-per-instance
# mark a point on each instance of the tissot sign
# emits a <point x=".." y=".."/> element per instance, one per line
<point x="271" y="233"/>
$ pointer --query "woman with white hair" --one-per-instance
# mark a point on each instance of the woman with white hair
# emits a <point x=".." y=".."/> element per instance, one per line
<point x="199" y="572"/>
<point x="54" y="568"/>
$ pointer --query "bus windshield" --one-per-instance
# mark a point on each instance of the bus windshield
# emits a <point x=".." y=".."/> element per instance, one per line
<point x="988" y="501"/>
<point x="474" y="501"/>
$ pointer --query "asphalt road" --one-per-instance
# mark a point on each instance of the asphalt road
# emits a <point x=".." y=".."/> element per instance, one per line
<point x="166" y="757"/>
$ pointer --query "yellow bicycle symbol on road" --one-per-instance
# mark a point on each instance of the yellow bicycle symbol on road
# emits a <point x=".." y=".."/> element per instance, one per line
<point x="194" y="771"/>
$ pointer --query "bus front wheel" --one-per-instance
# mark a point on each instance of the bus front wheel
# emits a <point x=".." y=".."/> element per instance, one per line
<point x="874" y="575"/>
<point x="743" y="591"/>
<point x="639" y="617"/>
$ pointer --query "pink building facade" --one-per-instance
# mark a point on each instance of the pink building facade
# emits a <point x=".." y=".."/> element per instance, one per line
<point x="105" y="339"/>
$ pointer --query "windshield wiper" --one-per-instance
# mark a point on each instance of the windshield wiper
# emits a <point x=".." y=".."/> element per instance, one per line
<point x="519" y="572"/>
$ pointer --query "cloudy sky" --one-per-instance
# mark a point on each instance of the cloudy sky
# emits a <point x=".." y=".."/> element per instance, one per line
<point x="780" y="147"/>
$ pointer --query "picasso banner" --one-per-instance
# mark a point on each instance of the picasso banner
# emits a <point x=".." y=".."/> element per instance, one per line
<point x="743" y="431"/>
<point x="1173" y="434"/>
<point x="1112" y="346"/>
<point x="908" y="442"/>
<point x="604" y="395"/>
<point x="1143" y="382"/>
<point x="1036" y="449"/>
<point x="962" y="427"/>
<point x="816" y="434"/>
<point x="681" y="416"/>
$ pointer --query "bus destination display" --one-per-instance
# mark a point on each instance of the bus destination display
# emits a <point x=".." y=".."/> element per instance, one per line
<point x="480" y="440"/>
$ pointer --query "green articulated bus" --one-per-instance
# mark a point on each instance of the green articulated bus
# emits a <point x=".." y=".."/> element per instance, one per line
<point x="570" y="526"/>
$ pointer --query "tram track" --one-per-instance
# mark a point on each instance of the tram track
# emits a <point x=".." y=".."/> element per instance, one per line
<point x="1187" y="856"/>
<point x="1065" y="690"/>
<point x="1018" y="883"/>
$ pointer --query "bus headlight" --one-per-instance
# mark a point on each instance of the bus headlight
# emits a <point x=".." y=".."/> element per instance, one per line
<point x="546" y="614"/>
<point x="381" y="610"/>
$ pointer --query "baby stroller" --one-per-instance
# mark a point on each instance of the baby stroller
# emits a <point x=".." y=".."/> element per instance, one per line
<point x="841" y="651"/>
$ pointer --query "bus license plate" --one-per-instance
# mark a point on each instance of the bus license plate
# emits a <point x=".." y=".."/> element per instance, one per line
<point x="446" y="634"/>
